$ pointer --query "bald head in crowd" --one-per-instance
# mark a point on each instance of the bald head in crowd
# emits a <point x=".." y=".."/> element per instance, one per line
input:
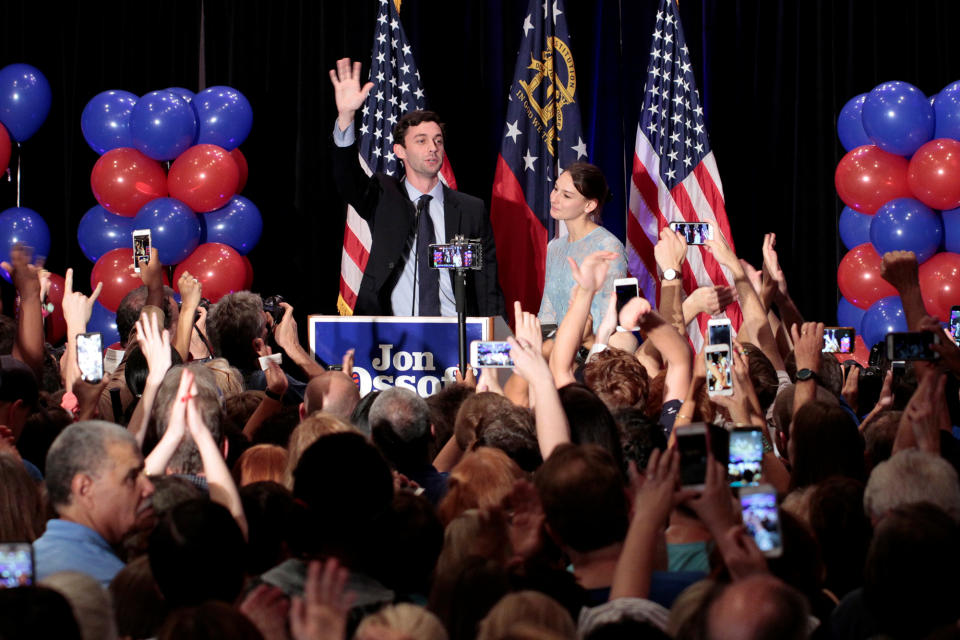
<point x="759" y="607"/>
<point x="333" y="392"/>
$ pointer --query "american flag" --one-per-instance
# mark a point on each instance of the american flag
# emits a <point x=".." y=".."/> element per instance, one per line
<point x="675" y="175"/>
<point x="542" y="135"/>
<point x="396" y="90"/>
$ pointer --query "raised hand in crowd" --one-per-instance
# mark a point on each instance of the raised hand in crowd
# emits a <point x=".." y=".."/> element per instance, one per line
<point x="348" y="93"/>
<point x="589" y="276"/>
<point x="321" y="614"/>
<point x="670" y="252"/>
<point x="924" y="416"/>
<point x="285" y="334"/>
<point x="710" y="300"/>
<point x="154" y="343"/>
<point x="191" y="291"/>
<point x="268" y="608"/>
<point x="807" y="345"/>
<point x="741" y="555"/>
<point x="29" y="344"/>
<point x="76" y="313"/>
<point x="551" y="421"/>
<point x="900" y="269"/>
<point x="655" y="496"/>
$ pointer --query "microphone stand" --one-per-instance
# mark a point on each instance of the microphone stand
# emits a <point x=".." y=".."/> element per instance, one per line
<point x="460" y="293"/>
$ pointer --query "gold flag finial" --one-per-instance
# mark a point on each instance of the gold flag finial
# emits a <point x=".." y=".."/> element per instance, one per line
<point x="397" y="2"/>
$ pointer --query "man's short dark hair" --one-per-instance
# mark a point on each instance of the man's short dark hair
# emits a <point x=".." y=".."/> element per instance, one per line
<point x="232" y="326"/>
<point x="132" y="304"/>
<point x="582" y="491"/>
<point x="412" y="119"/>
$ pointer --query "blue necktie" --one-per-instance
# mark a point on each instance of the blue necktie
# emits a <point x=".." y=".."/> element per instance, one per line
<point x="428" y="279"/>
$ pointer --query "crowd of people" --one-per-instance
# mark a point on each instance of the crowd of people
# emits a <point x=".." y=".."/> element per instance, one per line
<point x="195" y="493"/>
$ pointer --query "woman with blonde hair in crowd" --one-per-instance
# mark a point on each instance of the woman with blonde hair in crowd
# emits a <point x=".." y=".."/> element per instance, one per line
<point x="310" y="429"/>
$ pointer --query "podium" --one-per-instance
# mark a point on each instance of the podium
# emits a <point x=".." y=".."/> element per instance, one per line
<point x="416" y="353"/>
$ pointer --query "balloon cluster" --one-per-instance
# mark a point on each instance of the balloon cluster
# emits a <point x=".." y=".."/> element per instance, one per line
<point x="25" y="99"/>
<point x="195" y="216"/>
<point x="900" y="180"/>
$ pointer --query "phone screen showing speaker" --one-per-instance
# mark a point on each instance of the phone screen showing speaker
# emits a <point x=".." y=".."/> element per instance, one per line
<point x="911" y="346"/>
<point x="762" y="519"/>
<point x="955" y="324"/>
<point x="90" y="357"/>
<point x="490" y="354"/>
<point x="838" y="339"/>
<point x="695" y="233"/>
<point x="16" y="565"/>
<point x="746" y="457"/>
<point x="719" y="371"/>
<point x="719" y="333"/>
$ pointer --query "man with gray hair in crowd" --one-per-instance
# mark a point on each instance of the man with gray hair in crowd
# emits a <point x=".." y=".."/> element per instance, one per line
<point x="400" y="427"/>
<point x="909" y="477"/>
<point x="96" y="484"/>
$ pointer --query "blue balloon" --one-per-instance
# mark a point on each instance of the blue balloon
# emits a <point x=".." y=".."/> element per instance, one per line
<point x="850" y="125"/>
<point x="105" y="120"/>
<point x="947" y="110"/>
<point x="174" y="228"/>
<point x="24" y="226"/>
<point x="849" y="315"/>
<point x="19" y="225"/>
<point x="101" y="231"/>
<point x="905" y="224"/>
<point x="897" y="117"/>
<point x="951" y="230"/>
<point x="104" y="321"/>
<point x="186" y="94"/>
<point x="854" y="227"/>
<point x="884" y="316"/>
<point x="24" y="100"/>
<point x="225" y="116"/>
<point x="162" y="125"/>
<point x="238" y="224"/>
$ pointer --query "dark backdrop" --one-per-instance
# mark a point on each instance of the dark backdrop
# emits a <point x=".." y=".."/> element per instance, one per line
<point x="773" y="76"/>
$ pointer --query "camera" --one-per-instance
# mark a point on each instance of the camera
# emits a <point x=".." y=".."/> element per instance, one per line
<point x="272" y="306"/>
<point x="459" y="254"/>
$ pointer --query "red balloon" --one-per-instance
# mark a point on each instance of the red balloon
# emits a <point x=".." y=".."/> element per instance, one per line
<point x="859" y="277"/>
<point x="4" y="149"/>
<point x="56" y="326"/>
<point x="123" y="180"/>
<point x="115" y="270"/>
<point x="940" y="284"/>
<point x="934" y="174"/>
<point x="867" y="177"/>
<point x="204" y="177"/>
<point x="248" y="281"/>
<point x="241" y="161"/>
<point x="218" y="267"/>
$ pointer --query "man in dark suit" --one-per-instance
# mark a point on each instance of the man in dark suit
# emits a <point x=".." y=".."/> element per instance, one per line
<point x="405" y="215"/>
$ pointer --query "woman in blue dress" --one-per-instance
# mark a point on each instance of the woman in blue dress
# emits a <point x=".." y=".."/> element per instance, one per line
<point x="577" y="199"/>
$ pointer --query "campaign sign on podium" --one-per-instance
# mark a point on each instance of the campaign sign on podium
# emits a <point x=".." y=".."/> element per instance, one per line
<point x="420" y="354"/>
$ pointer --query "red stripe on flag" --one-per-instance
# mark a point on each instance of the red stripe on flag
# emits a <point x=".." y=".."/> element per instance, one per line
<point x="354" y="248"/>
<point x="447" y="172"/>
<point x="348" y="294"/>
<point x="714" y="197"/>
<point x="714" y="272"/>
<point x="647" y="188"/>
<point x="521" y="242"/>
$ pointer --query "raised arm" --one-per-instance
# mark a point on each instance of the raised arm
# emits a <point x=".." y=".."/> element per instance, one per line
<point x="190" y="293"/>
<point x="670" y="253"/>
<point x="755" y="325"/>
<point x="29" y="345"/>
<point x="287" y="339"/>
<point x="154" y="343"/>
<point x="589" y="277"/>
<point x="551" y="421"/>
<point x="900" y="269"/>
<point x="671" y="345"/>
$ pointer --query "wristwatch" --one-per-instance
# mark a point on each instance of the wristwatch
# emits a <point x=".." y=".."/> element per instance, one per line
<point x="671" y="274"/>
<point x="807" y="374"/>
